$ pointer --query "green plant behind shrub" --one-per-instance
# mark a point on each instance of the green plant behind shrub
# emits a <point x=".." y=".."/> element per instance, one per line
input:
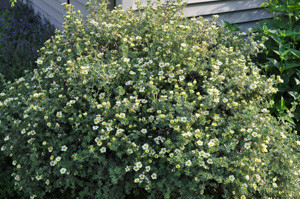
<point x="282" y="56"/>
<point x="22" y="34"/>
<point x="147" y="104"/>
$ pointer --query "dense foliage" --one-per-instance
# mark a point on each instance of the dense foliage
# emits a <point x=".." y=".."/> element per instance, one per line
<point x="22" y="34"/>
<point x="147" y="104"/>
<point x="7" y="189"/>
<point x="282" y="56"/>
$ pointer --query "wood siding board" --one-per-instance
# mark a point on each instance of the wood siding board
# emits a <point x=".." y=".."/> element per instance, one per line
<point x="201" y="1"/>
<point x="62" y="1"/>
<point x="144" y="2"/>
<point x="46" y="15"/>
<point x="83" y="2"/>
<point x="55" y="4"/>
<point x="246" y="26"/>
<point x="54" y="13"/>
<point x="243" y="16"/>
<point x="189" y="2"/>
<point x="126" y="4"/>
<point x="49" y="12"/>
<point x="220" y="7"/>
<point x="244" y="13"/>
<point x="4" y="4"/>
<point x="118" y="2"/>
<point x="80" y="6"/>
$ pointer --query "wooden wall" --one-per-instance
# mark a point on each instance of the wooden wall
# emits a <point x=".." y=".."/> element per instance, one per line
<point x="244" y="13"/>
<point x="54" y="11"/>
<point x="4" y="4"/>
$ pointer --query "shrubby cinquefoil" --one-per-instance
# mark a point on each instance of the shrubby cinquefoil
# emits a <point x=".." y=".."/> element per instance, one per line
<point x="147" y="103"/>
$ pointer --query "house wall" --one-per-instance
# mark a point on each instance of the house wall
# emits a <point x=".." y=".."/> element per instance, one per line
<point x="54" y="11"/>
<point x="4" y="4"/>
<point x="244" y="13"/>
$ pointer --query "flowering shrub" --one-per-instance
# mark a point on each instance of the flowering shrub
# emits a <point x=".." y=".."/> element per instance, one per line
<point x="22" y="33"/>
<point x="147" y="104"/>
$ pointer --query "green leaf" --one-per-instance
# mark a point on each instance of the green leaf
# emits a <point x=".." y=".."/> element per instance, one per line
<point x="292" y="65"/>
<point x="285" y="52"/>
<point x="277" y="52"/>
<point x="265" y="28"/>
<point x="277" y="39"/>
<point x="265" y="4"/>
<point x="274" y="62"/>
<point x="289" y="119"/>
<point x="78" y="48"/>
<point x="294" y="94"/>
<point x="230" y="26"/>
<point x="297" y="37"/>
<point x="295" y="52"/>
<point x="280" y="106"/>
<point x="13" y="2"/>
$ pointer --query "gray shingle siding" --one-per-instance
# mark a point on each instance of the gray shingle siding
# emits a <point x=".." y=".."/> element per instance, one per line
<point x="245" y="13"/>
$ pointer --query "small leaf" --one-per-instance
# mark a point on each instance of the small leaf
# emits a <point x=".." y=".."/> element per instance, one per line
<point x="277" y="39"/>
<point x="265" y="28"/>
<point x="291" y="65"/>
<point x="273" y="31"/>
<point x="277" y="52"/>
<point x="78" y="48"/>
<point x="294" y="94"/>
<point x="295" y="52"/>
<point x="280" y="106"/>
<point x="286" y="52"/>
<point x="289" y="119"/>
<point x="230" y="26"/>
<point x="282" y="103"/>
<point x="265" y="4"/>
<point x="274" y="62"/>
